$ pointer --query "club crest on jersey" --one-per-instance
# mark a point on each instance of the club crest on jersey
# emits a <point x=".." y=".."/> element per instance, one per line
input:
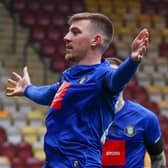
<point x="83" y="80"/>
<point x="130" y="130"/>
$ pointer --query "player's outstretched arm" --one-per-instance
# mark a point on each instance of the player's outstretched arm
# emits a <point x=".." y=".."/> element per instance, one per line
<point x="17" y="84"/>
<point x="139" y="45"/>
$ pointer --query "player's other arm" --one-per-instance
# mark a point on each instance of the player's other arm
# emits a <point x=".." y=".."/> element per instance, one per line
<point x="157" y="155"/>
<point x="127" y="69"/>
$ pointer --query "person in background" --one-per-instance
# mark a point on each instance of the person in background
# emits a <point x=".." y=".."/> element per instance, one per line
<point x="134" y="130"/>
<point x="82" y="102"/>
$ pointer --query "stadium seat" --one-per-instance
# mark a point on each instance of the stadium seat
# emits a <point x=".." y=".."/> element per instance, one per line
<point x="34" y="5"/>
<point x="159" y="21"/>
<point x="19" y="5"/>
<point x="48" y="6"/>
<point x="154" y="93"/>
<point x="43" y="19"/>
<point x="163" y="50"/>
<point x="144" y="79"/>
<point x="17" y="163"/>
<point x="8" y="149"/>
<point x="91" y="6"/>
<point x="158" y="79"/>
<point x="24" y="151"/>
<point x="33" y="163"/>
<point x="38" y="33"/>
<point x="13" y="134"/>
<point x="29" y="134"/>
<point x="164" y="33"/>
<point x="164" y="91"/>
<point x="53" y="34"/>
<point x="38" y="151"/>
<point x="153" y="106"/>
<point x="163" y="104"/>
<point x="58" y="65"/>
<point x="5" y="118"/>
<point x="35" y="118"/>
<point x="48" y="48"/>
<point x="140" y="94"/>
<point x="4" y="162"/>
<point x="77" y="6"/>
<point x="3" y="135"/>
<point x="144" y="20"/>
<point x="28" y="18"/>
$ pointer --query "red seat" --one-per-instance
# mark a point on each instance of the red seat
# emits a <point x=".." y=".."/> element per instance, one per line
<point x="8" y="149"/>
<point x="53" y="33"/>
<point x="128" y="94"/>
<point x="24" y="151"/>
<point x="34" y="5"/>
<point x="140" y="94"/>
<point x="57" y="65"/>
<point x="58" y="20"/>
<point x="77" y="6"/>
<point x="111" y="51"/>
<point x="33" y="163"/>
<point x="152" y="106"/>
<point x="63" y="7"/>
<point x="28" y="18"/>
<point x="17" y="163"/>
<point x="19" y="5"/>
<point x="3" y="135"/>
<point x="38" y="33"/>
<point x="48" y="48"/>
<point x="43" y="19"/>
<point x="163" y="48"/>
<point x="48" y="6"/>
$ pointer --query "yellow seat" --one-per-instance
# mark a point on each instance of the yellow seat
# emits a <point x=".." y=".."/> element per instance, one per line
<point x="147" y="161"/>
<point x="5" y="114"/>
<point x="38" y="152"/>
<point x="120" y="7"/>
<point x="36" y="118"/>
<point x="163" y="105"/>
<point x="92" y="5"/>
<point x="164" y="33"/>
<point x="154" y="93"/>
<point x="144" y="20"/>
<point x="126" y="33"/>
<point x="5" y="118"/>
<point x="159" y="21"/>
<point x="134" y="7"/>
<point x="29" y="134"/>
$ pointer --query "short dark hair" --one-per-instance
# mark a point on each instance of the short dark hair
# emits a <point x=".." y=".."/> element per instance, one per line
<point x="99" y="23"/>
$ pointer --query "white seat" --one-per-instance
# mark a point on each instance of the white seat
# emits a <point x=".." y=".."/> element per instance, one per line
<point x="4" y="162"/>
<point x="14" y="134"/>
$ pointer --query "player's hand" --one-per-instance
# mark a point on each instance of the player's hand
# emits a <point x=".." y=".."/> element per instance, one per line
<point x="17" y="84"/>
<point x="139" y="45"/>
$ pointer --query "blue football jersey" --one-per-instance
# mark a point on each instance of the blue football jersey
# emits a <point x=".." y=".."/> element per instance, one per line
<point x="133" y="128"/>
<point x="81" y="108"/>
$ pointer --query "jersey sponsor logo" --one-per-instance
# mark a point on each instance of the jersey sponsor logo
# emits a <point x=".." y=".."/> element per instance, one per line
<point x="129" y="131"/>
<point x="57" y="102"/>
<point x="83" y="79"/>
<point x="113" y="153"/>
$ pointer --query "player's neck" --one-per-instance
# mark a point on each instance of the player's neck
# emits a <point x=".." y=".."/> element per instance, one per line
<point x="119" y="105"/>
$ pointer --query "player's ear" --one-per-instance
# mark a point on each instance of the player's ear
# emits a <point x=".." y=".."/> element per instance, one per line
<point x="96" y="41"/>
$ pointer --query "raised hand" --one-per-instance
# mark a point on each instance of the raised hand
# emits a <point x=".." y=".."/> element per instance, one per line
<point x="139" y="45"/>
<point x="17" y="84"/>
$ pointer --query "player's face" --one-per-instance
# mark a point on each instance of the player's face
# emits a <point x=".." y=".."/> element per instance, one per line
<point x="78" y="41"/>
